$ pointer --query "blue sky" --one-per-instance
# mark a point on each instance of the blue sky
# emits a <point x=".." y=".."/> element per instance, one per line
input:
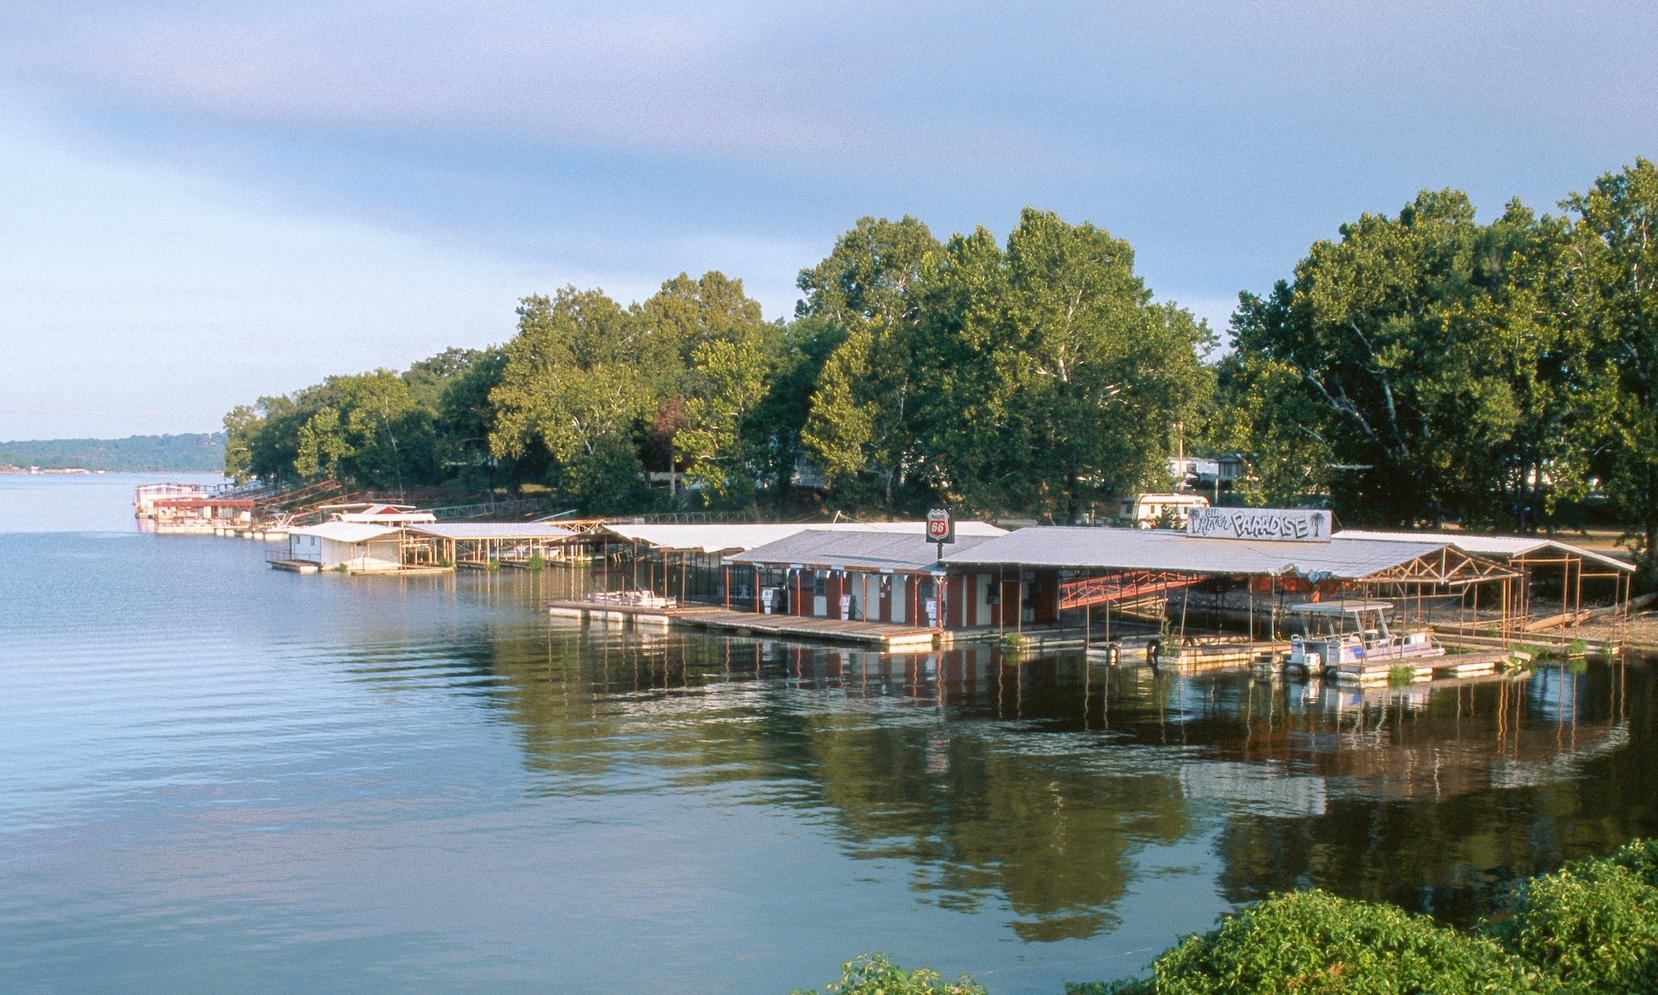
<point x="206" y="202"/>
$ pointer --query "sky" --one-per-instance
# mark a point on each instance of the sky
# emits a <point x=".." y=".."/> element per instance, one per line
<point x="203" y="203"/>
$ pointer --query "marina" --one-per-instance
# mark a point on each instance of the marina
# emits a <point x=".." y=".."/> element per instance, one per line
<point x="446" y="735"/>
<point x="1222" y="593"/>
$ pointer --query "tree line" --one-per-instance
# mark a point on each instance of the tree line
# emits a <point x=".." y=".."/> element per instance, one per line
<point x="1037" y="375"/>
<point x="1423" y="368"/>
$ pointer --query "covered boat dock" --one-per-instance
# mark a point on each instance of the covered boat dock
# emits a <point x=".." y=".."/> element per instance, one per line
<point x="1196" y="587"/>
<point x="481" y="545"/>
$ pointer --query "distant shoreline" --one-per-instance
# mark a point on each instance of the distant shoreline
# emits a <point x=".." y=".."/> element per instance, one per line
<point x="191" y="453"/>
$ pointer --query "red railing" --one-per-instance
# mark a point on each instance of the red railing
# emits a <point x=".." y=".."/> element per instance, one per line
<point x="1121" y="587"/>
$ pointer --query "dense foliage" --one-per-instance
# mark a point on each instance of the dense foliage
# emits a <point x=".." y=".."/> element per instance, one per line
<point x="1589" y="928"/>
<point x="1425" y="367"/>
<point x="1037" y="376"/>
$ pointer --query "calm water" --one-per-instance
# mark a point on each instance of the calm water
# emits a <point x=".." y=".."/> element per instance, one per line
<point x="215" y="777"/>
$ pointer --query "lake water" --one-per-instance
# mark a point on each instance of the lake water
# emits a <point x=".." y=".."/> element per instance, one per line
<point x="217" y="777"/>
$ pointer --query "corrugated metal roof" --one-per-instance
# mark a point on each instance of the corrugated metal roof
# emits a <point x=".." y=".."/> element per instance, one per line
<point x="347" y="531"/>
<point x="1161" y="549"/>
<point x="720" y="538"/>
<point x="491" y="530"/>
<point x="1503" y="546"/>
<point x="844" y="549"/>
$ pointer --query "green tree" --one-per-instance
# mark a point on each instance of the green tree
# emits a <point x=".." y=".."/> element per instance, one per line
<point x="1408" y="374"/>
<point x="390" y="436"/>
<point x="1612" y="271"/>
<point x="688" y="319"/>
<point x="1056" y="377"/>
<point x="862" y="422"/>
<point x="712" y="444"/>
<point x="775" y="431"/>
<point x="573" y="384"/>
<point x="242" y="427"/>
<point x="322" y="445"/>
<point x="465" y="416"/>
<point x="1260" y="412"/>
<point x="427" y="379"/>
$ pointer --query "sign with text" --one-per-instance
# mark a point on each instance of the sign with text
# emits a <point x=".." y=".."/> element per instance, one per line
<point x="941" y="525"/>
<point x="1277" y="524"/>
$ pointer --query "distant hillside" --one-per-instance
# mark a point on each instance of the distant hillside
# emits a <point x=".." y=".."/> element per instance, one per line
<point x="140" y="452"/>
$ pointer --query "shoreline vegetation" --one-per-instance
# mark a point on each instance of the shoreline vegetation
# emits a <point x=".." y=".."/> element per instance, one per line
<point x="1589" y="928"/>
<point x="1425" y="368"/>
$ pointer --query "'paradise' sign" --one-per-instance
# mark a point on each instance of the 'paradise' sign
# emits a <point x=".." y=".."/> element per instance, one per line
<point x="1279" y="524"/>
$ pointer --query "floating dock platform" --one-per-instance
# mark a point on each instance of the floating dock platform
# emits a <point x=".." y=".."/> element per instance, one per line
<point x="886" y="635"/>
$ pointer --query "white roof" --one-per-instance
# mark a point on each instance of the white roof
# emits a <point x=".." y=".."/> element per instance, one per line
<point x="373" y="515"/>
<point x="347" y="531"/>
<point x="1506" y="547"/>
<point x="722" y="538"/>
<point x="491" y="530"/>
<point x="851" y="549"/>
<point x="1088" y="548"/>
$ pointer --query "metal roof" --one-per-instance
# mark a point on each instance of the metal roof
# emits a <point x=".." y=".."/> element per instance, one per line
<point x="846" y="549"/>
<point x="491" y="530"/>
<point x="1506" y="547"/>
<point x="1087" y="548"/>
<point x="720" y="538"/>
<point x="347" y="531"/>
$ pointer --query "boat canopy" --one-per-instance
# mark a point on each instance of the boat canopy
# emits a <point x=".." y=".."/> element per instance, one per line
<point x="1342" y="607"/>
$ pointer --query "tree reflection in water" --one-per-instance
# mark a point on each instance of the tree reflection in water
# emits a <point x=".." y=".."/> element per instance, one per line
<point x="1033" y="785"/>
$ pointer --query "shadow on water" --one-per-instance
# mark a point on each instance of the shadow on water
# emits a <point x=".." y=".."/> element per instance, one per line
<point x="1037" y="782"/>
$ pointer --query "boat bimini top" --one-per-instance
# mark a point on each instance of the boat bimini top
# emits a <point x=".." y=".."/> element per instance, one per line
<point x="1342" y="607"/>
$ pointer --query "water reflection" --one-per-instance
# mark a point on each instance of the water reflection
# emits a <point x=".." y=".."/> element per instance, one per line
<point x="1033" y="784"/>
<point x="423" y="782"/>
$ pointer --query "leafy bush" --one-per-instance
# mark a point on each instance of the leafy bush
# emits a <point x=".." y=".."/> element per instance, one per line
<point x="1590" y="927"/>
<point x="1640" y="856"/>
<point x="1593" y="924"/>
<point x="1313" y="941"/>
<point x="876" y="974"/>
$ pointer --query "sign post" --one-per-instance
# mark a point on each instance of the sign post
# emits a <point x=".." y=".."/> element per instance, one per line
<point x="941" y="528"/>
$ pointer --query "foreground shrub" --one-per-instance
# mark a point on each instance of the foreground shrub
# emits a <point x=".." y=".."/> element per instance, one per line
<point x="876" y="974"/>
<point x="1314" y="942"/>
<point x="1593" y="924"/>
<point x="1590" y="927"/>
<point x="1640" y="856"/>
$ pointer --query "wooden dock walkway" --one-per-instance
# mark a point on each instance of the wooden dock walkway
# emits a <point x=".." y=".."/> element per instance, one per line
<point x="617" y="611"/>
<point x="883" y="634"/>
<point x="887" y="635"/>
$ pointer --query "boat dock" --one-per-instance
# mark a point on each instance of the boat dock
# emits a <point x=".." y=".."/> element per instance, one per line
<point x="886" y="635"/>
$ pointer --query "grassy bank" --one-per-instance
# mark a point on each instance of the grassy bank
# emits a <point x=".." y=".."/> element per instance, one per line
<point x="1590" y="927"/>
